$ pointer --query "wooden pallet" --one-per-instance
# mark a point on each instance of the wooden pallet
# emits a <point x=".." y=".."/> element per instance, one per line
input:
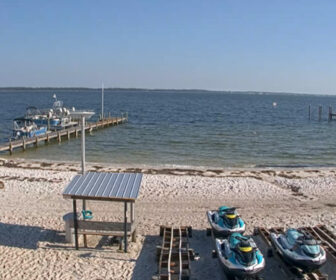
<point x="292" y="270"/>
<point x="174" y="253"/>
<point x="327" y="238"/>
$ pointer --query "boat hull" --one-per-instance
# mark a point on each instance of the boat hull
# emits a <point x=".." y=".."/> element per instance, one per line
<point x="51" y="122"/>
<point x="305" y="263"/>
<point x="18" y="133"/>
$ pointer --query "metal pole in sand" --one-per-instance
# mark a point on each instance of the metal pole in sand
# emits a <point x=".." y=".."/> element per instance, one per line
<point x="102" y="109"/>
<point x="83" y="167"/>
<point x="83" y="145"/>
<point x="81" y="115"/>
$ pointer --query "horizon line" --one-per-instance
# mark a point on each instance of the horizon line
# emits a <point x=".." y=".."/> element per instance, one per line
<point x="160" y="89"/>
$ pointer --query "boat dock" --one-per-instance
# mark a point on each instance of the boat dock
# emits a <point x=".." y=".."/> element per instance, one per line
<point x="58" y="135"/>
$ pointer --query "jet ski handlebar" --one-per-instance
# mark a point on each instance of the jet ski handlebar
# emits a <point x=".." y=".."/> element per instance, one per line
<point x="307" y="239"/>
<point x="231" y="210"/>
<point x="242" y="238"/>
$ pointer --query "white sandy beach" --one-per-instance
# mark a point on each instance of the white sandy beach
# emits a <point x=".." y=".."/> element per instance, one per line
<point x="31" y="205"/>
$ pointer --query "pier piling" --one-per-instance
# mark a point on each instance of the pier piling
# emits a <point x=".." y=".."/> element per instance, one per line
<point x="309" y="112"/>
<point x="10" y="147"/>
<point x="320" y="113"/>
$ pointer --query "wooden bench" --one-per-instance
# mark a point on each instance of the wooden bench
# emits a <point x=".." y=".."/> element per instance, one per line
<point x="88" y="227"/>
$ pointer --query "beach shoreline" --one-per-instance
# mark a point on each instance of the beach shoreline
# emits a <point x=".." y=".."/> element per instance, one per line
<point x="179" y="170"/>
<point x="32" y="230"/>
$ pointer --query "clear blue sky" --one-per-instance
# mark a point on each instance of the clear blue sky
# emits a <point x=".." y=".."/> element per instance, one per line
<point x="269" y="45"/>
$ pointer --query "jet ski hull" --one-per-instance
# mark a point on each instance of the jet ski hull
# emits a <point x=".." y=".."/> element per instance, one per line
<point x="222" y="231"/>
<point x="236" y="269"/>
<point x="291" y="257"/>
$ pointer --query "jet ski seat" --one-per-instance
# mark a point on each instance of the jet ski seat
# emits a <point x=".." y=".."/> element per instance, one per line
<point x="245" y="252"/>
<point x="230" y="219"/>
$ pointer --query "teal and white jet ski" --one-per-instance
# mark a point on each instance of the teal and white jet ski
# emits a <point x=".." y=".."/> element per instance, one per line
<point x="300" y="249"/>
<point x="225" y="221"/>
<point x="240" y="256"/>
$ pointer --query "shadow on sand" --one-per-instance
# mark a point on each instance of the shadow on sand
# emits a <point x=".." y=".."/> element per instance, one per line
<point x="27" y="237"/>
<point x="205" y="268"/>
<point x="146" y="265"/>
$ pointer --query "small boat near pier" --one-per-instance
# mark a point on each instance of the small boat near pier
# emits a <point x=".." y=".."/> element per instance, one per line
<point x="26" y="128"/>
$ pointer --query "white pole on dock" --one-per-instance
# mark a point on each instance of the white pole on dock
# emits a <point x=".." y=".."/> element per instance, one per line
<point x="102" y="97"/>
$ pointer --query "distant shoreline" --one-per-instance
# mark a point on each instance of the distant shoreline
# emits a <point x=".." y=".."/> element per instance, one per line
<point x="252" y="92"/>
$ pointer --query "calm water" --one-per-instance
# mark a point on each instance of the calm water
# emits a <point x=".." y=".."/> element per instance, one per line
<point x="174" y="128"/>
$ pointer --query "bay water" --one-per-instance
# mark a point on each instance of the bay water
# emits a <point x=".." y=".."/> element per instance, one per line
<point x="174" y="128"/>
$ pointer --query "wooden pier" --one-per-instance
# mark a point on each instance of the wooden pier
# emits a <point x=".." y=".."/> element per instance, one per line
<point x="331" y="115"/>
<point x="58" y="135"/>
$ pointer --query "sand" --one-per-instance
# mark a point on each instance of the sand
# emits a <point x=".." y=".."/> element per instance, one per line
<point x="32" y="244"/>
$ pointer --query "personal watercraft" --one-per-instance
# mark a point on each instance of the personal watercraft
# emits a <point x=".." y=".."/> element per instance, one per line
<point x="225" y="221"/>
<point x="239" y="256"/>
<point x="299" y="248"/>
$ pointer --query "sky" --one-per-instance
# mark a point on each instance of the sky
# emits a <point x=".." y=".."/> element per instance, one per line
<point x="259" y="45"/>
